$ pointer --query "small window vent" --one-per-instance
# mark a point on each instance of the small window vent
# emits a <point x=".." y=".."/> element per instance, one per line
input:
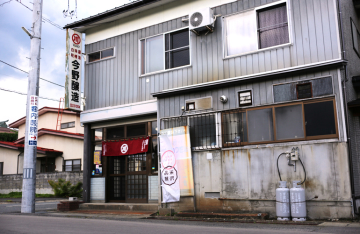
<point x="245" y="98"/>
<point x="304" y="90"/>
<point x="198" y="104"/>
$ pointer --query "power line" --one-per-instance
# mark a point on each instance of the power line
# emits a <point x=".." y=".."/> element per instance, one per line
<point x="45" y="19"/>
<point x="2" y="4"/>
<point x="28" y="73"/>
<point x="13" y="91"/>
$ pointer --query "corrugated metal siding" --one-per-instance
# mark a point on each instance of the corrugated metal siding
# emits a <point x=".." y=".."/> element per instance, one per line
<point x="116" y="81"/>
<point x="262" y="95"/>
<point x="97" y="191"/>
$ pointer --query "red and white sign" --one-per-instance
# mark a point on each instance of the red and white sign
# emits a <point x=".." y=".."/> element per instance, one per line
<point x="119" y="148"/>
<point x="168" y="160"/>
<point x="73" y="70"/>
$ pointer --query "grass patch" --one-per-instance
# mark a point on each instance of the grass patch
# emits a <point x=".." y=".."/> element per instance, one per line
<point x="19" y="195"/>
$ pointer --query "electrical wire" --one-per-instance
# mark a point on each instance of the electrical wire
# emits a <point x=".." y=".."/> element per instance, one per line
<point x="304" y="171"/>
<point x="44" y="19"/>
<point x="13" y="91"/>
<point x="28" y="73"/>
<point x="277" y="164"/>
<point x="2" y="4"/>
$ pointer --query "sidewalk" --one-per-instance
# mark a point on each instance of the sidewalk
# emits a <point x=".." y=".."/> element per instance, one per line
<point x="38" y="199"/>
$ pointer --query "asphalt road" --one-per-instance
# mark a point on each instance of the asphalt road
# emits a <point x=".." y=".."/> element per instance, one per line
<point x="16" y="207"/>
<point x="16" y="224"/>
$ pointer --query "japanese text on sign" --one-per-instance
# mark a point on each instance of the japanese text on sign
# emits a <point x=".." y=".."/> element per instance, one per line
<point x="33" y="121"/>
<point x="73" y="70"/>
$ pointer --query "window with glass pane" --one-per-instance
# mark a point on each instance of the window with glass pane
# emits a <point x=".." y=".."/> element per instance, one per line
<point x="107" y="53"/>
<point x="260" y="125"/>
<point x="234" y="128"/>
<point x="98" y="134"/>
<point x="154" y="129"/>
<point x="355" y="37"/>
<point x="320" y="118"/>
<point x="72" y="165"/>
<point x="177" y="49"/>
<point x="154" y="156"/>
<point x="94" y="57"/>
<point x="1" y="168"/>
<point x="273" y="26"/>
<point x="115" y="133"/>
<point x="154" y="57"/>
<point x="241" y="33"/>
<point x="136" y="130"/>
<point x="289" y="122"/>
<point x="203" y="131"/>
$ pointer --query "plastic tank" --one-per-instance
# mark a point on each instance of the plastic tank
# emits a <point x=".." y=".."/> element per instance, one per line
<point x="298" y="202"/>
<point x="283" y="202"/>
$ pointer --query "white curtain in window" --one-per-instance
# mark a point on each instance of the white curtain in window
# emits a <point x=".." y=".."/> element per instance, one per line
<point x="154" y="56"/>
<point x="241" y="33"/>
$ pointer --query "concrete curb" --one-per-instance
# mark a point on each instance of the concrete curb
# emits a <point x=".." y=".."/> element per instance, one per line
<point x="14" y="202"/>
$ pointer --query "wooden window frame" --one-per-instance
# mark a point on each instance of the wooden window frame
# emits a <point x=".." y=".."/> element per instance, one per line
<point x="305" y="138"/>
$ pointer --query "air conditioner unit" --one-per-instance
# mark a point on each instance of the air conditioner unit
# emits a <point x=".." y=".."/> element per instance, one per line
<point x="202" y="19"/>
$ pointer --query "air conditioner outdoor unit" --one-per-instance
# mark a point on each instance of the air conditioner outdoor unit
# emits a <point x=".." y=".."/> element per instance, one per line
<point x="201" y="20"/>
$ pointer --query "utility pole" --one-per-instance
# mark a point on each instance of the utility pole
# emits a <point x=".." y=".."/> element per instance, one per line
<point x="29" y="172"/>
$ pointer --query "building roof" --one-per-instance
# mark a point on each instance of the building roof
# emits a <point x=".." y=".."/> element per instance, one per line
<point x="40" y="150"/>
<point x="6" y="130"/>
<point x="115" y="14"/>
<point x="42" y="111"/>
<point x="44" y="131"/>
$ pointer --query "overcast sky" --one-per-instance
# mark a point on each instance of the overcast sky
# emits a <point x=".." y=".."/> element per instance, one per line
<point x="15" y="49"/>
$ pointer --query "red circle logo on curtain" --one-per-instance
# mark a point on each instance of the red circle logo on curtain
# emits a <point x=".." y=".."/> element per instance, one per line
<point x="76" y="39"/>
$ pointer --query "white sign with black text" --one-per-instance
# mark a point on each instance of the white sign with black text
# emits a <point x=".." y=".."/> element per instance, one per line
<point x="73" y="70"/>
<point x="33" y="121"/>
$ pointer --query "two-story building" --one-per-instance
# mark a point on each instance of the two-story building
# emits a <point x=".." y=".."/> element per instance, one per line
<point x="265" y="77"/>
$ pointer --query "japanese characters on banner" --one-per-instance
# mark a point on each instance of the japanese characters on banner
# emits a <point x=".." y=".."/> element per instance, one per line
<point x="128" y="147"/>
<point x="176" y="164"/>
<point x="73" y="70"/>
<point x="33" y="121"/>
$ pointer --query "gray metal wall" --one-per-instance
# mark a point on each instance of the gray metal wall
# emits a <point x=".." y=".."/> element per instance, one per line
<point x="262" y="95"/>
<point x="116" y="81"/>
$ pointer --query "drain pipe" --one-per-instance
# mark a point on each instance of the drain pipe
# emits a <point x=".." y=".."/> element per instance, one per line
<point x="343" y="82"/>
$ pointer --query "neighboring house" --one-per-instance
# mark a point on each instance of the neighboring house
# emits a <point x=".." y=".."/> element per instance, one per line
<point x="57" y="151"/>
<point x="269" y="78"/>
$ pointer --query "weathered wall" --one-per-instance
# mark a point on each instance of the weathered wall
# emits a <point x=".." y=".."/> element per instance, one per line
<point x="247" y="178"/>
<point x="117" y="81"/>
<point x="9" y="157"/>
<point x="13" y="183"/>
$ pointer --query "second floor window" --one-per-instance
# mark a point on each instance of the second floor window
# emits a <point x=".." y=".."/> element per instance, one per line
<point x="257" y="29"/>
<point x="165" y="51"/>
<point x="68" y="125"/>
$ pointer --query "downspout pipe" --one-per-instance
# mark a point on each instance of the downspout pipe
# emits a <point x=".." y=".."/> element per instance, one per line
<point x="343" y="83"/>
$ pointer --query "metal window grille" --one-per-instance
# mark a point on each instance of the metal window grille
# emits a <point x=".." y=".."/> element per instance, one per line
<point x="273" y="26"/>
<point x="205" y="129"/>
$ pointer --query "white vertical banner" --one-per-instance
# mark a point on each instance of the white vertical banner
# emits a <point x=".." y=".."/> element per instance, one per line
<point x="33" y="121"/>
<point x="73" y="70"/>
<point x="176" y="165"/>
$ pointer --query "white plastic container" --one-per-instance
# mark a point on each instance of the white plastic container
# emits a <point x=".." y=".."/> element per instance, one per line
<point x="298" y="202"/>
<point x="283" y="202"/>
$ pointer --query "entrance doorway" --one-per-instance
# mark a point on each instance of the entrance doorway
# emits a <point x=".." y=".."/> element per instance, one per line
<point x="128" y="180"/>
